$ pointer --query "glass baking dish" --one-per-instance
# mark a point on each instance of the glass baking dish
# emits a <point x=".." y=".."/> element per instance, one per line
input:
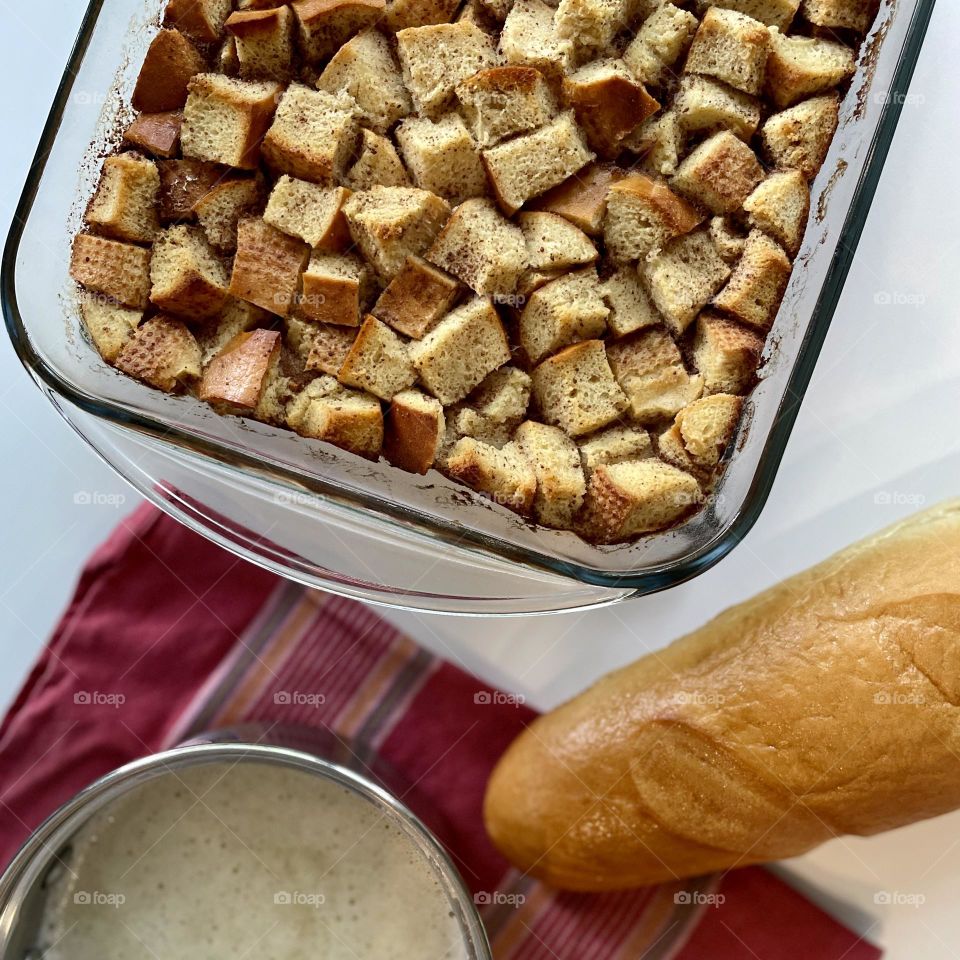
<point x="326" y="518"/>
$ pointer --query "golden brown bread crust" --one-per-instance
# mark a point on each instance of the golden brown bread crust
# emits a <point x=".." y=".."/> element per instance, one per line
<point x="827" y="705"/>
<point x="171" y="61"/>
<point x="583" y="198"/>
<point x="156" y="133"/>
<point x="237" y="374"/>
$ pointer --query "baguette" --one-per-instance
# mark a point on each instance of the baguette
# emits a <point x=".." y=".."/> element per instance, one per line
<point x="828" y="705"/>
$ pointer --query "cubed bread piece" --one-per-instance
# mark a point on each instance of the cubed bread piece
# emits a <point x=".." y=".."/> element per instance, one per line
<point x="840" y="14"/>
<point x="187" y="278"/>
<point x="530" y="164"/>
<point x="481" y="248"/>
<point x="726" y="354"/>
<point x="642" y="215"/>
<point x="502" y="101"/>
<point x="378" y="361"/>
<point x="335" y="288"/>
<point x="155" y="133"/>
<point x="275" y="395"/>
<point x="756" y="287"/>
<point x="221" y="209"/>
<point x="724" y="233"/>
<point x="504" y="475"/>
<point x="503" y="397"/>
<point x="478" y="12"/>
<point x="463" y="421"/>
<point x="779" y="206"/>
<point x="264" y="40"/>
<point x="171" y="61"/>
<point x="662" y="39"/>
<point x="731" y="47"/>
<point x="224" y="119"/>
<point x="631" y="308"/>
<point x="589" y="26"/>
<point x="227" y="61"/>
<point x="419" y="13"/>
<point x="615" y="445"/>
<point x="774" y="13"/>
<point x="329" y="346"/>
<point x="325" y="25"/>
<point x="125" y="204"/>
<point x="660" y="141"/>
<point x="801" y="67"/>
<point x="238" y="374"/>
<point x="311" y="212"/>
<point x="576" y="390"/>
<point x="267" y="267"/>
<point x="556" y="462"/>
<point x="119" y="271"/>
<point x="184" y="184"/>
<point x="554" y="243"/>
<point x="110" y="325"/>
<point x="800" y="137"/>
<point x="442" y="157"/>
<point x="701" y="433"/>
<point x="414" y="431"/>
<point x="417" y="298"/>
<point x="389" y="224"/>
<point x="529" y="38"/>
<point x="635" y="497"/>
<point x="583" y="198"/>
<point x="531" y="281"/>
<point x="705" y="104"/>
<point x="236" y="317"/>
<point x="719" y="174"/>
<point x="201" y="19"/>
<point x="562" y="312"/>
<point x="349" y="419"/>
<point x="683" y="278"/>
<point x="312" y="135"/>
<point x="460" y="351"/>
<point x="437" y="57"/>
<point x="377" y="163"/>
<point x="162" y="353"/>
<point x="366" y="69"/>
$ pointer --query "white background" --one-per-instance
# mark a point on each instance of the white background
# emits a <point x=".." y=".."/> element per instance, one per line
<point x="878" y="435"/>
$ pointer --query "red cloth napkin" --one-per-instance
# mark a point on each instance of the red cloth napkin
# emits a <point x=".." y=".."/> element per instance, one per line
<point x="168" y="636"/>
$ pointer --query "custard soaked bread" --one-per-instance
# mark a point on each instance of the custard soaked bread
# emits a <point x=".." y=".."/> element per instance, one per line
<point x="537" y="246"/>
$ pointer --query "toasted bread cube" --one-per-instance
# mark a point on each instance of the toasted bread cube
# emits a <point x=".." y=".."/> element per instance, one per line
<point x="184" y="184"/>
<point x="701" y="433"/>
<point x="553" y="243"/>
<point x="463" y="421"/>
<point x="801" y="67"/>
<point x="187" y="278"/>
<point x="155" y="133"/>
<point x="564" y="311"/>
<point x="329" y="346"/>
<point x="774" y="13"/>
<point x="556" y="462"/>
<point x="530" y="164"/>
<point x="660" y="141"/>
<point x="119" y="271"/>
<point x="442" y="157"/>
<point x="504" y="475"/>
<point x="502" y="101"/>
<point x="779" y="206"/>
<point x="840" y="14"/>
<point x="529" y="38"/>
<point x="481" y="248"/>
<point x="110" y="325"/>
<point x="310" y="212"/>
<point x="326" y="25"/>
<point x="378" y="361"/>
<point x="238" y="374"/>
<point x="642" y="215"/>
<point x="437" y="57"/>
<point x="706" y="104"/>
<point x="162" y="353"/>
<point x="349" y="419"/>
<point x="417" y="298"/>
<point x="236" y="317"/>
<point x="335" y="289"/>
<point x="222" y="208"/>
<point x="377" y="163"/>
<point x="731" y="47"/>
<point x="583" y="198"/>
<point x="634" y="497"/>
<point x="615" y="445"/>
<point x="224" y="119"/>
<point x="683" y="278"/>
<point x="726" y="238"/>
<point x="503" y="396"/>
<point x="227" y="61"/>
<point x="201" y="19"/>
<point x="576" y="390"/>
<point x="312" y="135"/>
<point x="171" y="61"/>
<point x="609" y="103"/>
<point x="726" y="354"/>
<point x="264" y="42"/>
<point x="267" y="267"/>
<point x="125" y="204"/>
<point x="419" y="13"/>
<point x="414" y="431"/>
<point x="631" y="308"/>
<point x="756" y="287"/>
<point x="530" y="281"/>
<point x="800" y="137"/>
<point x="275" y="395"/>
<point x="389" y="224"/>
<point x="366" y="69"/>
<point x="460" y="351"/>
<point x="589" y="26"/>
<point x="662" y="39"/>
<point x="719" y="174"/>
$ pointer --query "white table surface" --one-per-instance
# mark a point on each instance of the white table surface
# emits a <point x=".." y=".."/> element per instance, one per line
<point x="877" y="436"/>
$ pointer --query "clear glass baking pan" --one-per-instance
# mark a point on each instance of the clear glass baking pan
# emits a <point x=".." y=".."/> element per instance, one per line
<point x="326" y="518"/>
